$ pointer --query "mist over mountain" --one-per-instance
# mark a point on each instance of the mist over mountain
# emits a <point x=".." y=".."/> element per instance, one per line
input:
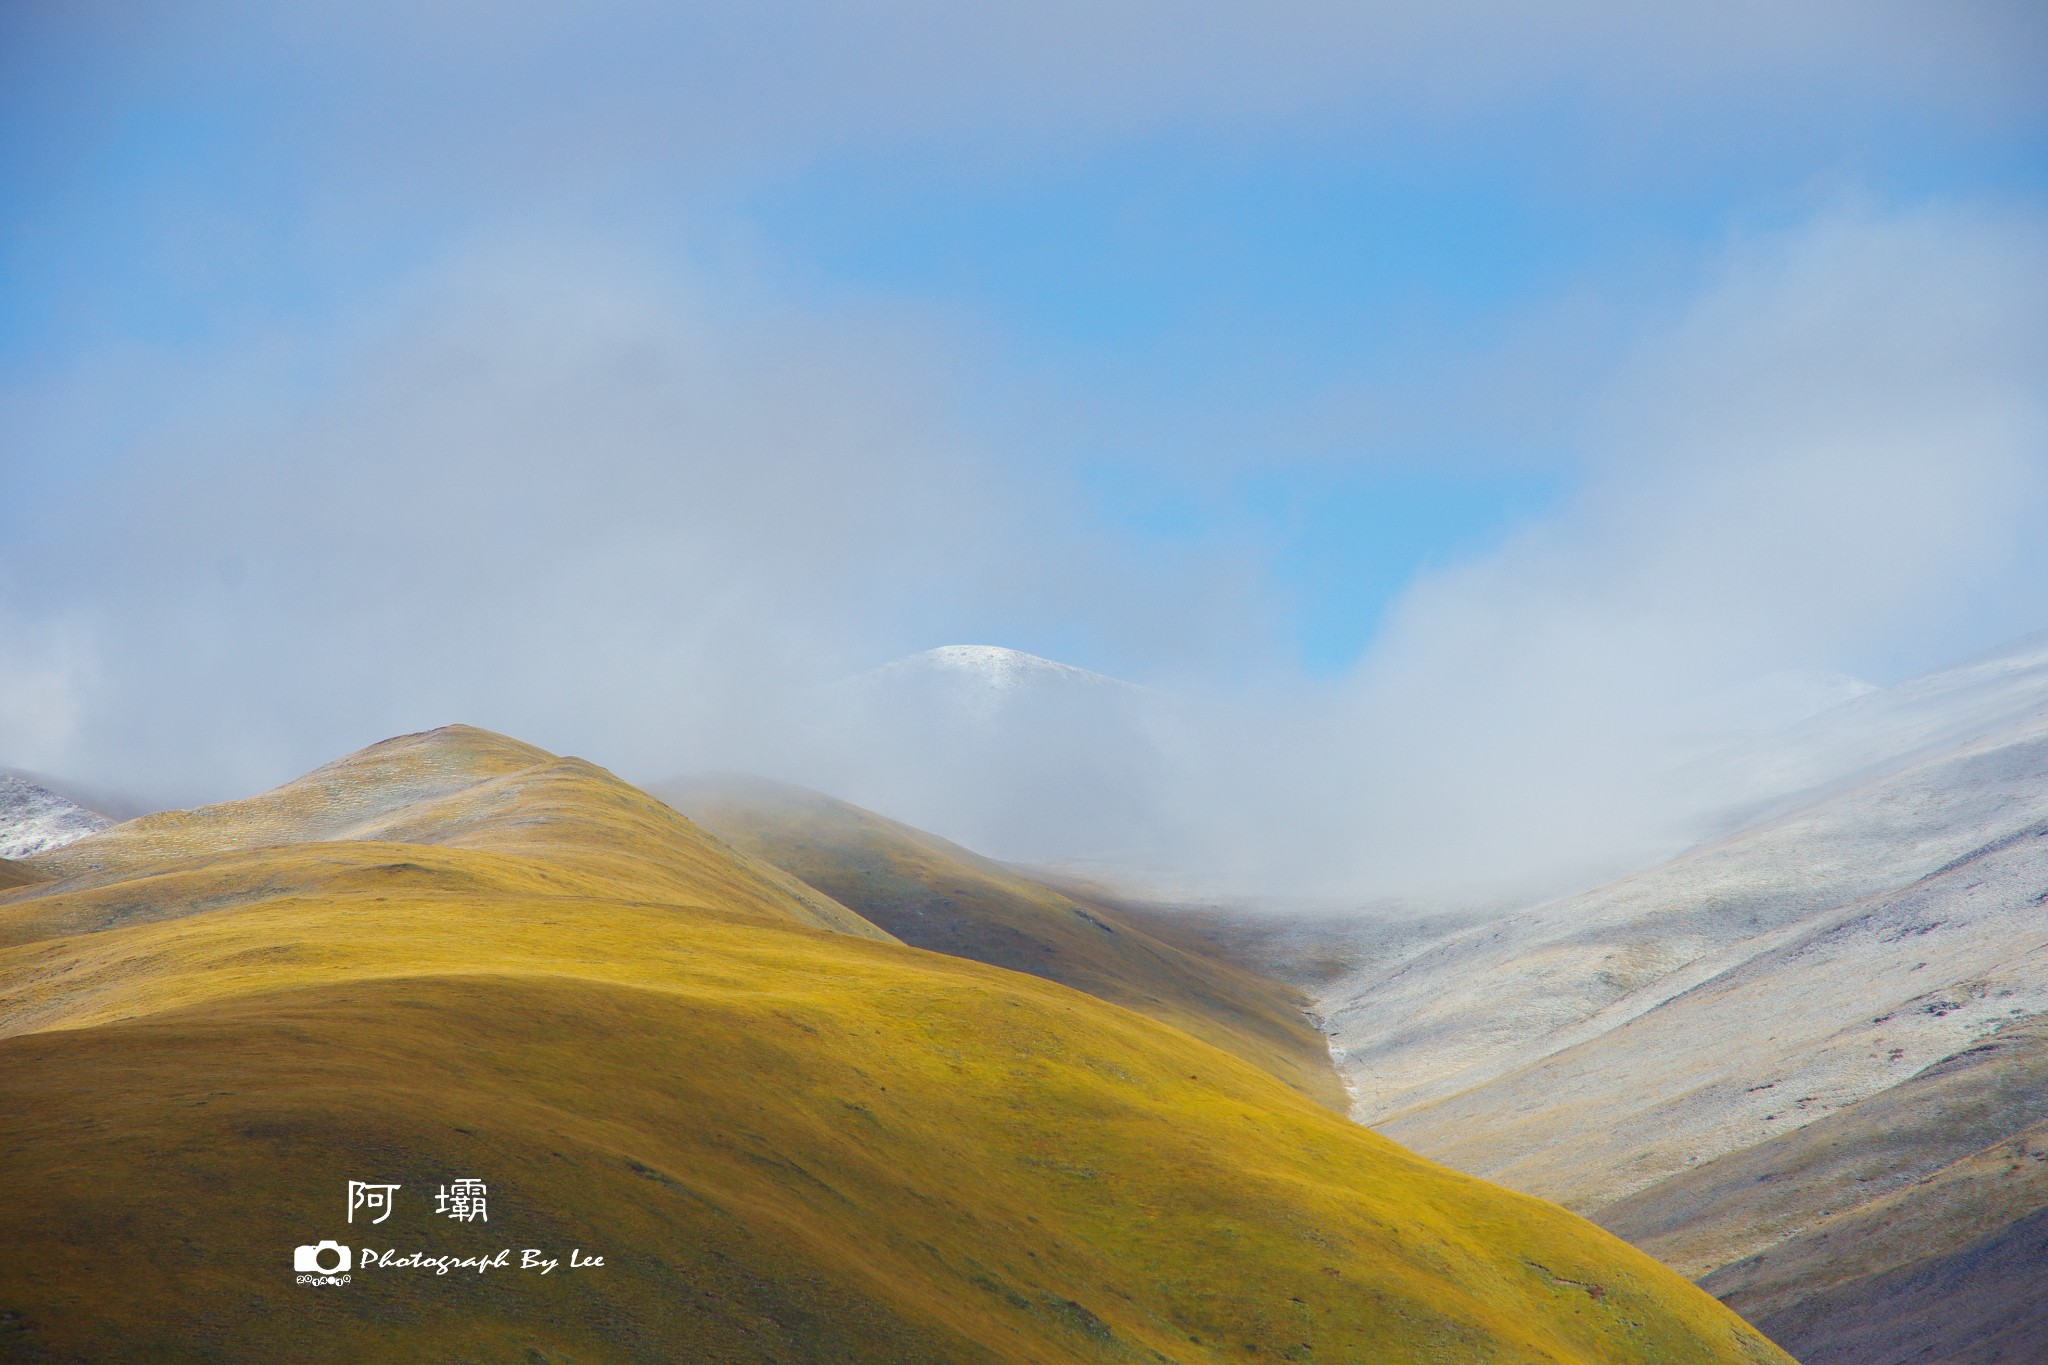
<point x="986" y="681"/>
<point x="1869" y="728"/>
<point x="1801" y="1059"/>
<point x="1448" y="469"/>
<point x="1039" y="761"/>
<point x="1021" y="756"/>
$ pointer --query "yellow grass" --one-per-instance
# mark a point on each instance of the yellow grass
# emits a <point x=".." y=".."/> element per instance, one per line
<point x="937" y="895"/>
<point x="788" y="1142"/>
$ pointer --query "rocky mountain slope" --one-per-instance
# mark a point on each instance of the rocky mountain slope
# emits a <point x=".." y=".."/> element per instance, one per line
<point x="787" y="1136"/>
<point x="1724" y="1056"/>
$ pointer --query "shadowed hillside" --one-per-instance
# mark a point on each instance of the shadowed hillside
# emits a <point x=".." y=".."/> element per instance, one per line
<point x="1979" y="1302"/>
<point x="1781" y="1218"/>
<point x="1920" y="1216"/>
<point x="934" y="894"/>
<point x="789" y="1138"/>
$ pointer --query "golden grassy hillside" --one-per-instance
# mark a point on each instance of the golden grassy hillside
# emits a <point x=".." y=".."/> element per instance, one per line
<point x="788" y="1142"/>
<point x="934" y="894"/>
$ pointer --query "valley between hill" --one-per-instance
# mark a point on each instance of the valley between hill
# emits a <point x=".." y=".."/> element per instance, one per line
<point x="789" y="1136"/>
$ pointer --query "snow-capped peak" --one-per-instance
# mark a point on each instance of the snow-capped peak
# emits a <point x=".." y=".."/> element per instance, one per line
<point x="993" y="667"/>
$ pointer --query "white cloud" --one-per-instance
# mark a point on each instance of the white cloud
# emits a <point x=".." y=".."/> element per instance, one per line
<point x="576" y="492"/>
<point x="622" y="515"/>
<point x="49" y="678"/>
<point x="589" y="504"/>
<point x="395" y="105"/>
<point x="1837" y="459"/>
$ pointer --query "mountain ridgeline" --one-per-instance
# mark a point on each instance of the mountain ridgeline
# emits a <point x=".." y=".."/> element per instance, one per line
<point x="784" y="1134"/>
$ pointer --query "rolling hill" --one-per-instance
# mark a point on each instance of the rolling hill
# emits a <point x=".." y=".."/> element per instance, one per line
<point x="934" y="894"/>
<point x="786" y="1136"/>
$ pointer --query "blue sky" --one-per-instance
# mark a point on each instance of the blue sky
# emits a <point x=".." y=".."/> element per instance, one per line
<point x="1196" y="342"/>
<point x="1185" y="293"/>
<point x="1182" y="274"/>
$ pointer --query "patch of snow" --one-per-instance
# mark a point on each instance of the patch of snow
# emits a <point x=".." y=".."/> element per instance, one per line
<point x="989" y="667"/>
<point x="35" y="820"/>
<point x="983" y="682"/>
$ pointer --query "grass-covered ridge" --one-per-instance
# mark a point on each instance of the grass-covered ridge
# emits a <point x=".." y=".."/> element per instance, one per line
<point x="932" y="893"/>
<point x="790" y="1142"/>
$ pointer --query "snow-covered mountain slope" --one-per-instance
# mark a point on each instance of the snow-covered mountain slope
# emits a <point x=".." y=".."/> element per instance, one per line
<point x="1872" y="731"/>
<point x="1600" y="1047"/>
<point x="115" y="803"/>
<point x="1501" y="997"/>
<point x="1909" y="1226"/>
<point x="35" y="820"/>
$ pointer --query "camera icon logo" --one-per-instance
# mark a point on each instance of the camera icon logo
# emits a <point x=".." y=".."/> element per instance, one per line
<point x="308" y="1259"/>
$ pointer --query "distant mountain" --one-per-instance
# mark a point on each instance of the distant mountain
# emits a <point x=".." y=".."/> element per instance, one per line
<point x="34" y="819"/>
<point x="1726" y="1056"/>
<point x="1871" y="730"/>
<point x="1021" y="757"/>
<point x="983" y="681"/>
